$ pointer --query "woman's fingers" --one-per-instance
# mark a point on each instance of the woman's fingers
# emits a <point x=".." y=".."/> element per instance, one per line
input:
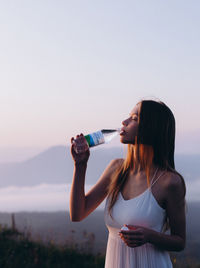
<point x="132" y="243"/>
<point x="80" y="144"/>
<point x="135" y="232"/>
<point x="136" y="237"/>
<point x="132" y="238"/>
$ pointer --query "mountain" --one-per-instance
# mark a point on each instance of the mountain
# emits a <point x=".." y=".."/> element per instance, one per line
<point x="55" y="166"/>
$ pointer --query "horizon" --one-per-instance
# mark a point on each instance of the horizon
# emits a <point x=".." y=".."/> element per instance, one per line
<point x="45" y="179"/>
<point x="21" y="154"/>
<point x="55" y="197"/>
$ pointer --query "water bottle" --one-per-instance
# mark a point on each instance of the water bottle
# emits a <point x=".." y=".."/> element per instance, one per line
<point x="97" y="138"/>
<point x="101" y="136"/>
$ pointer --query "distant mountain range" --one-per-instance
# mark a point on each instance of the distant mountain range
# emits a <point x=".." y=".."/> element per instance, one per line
<point x="55" y="165"/>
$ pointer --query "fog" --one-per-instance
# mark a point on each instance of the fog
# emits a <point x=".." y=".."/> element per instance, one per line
<point x="55" y="197"/>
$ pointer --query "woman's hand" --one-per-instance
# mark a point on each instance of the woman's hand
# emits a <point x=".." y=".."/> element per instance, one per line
<point x="80" y="149"/>
<point x="136" y="236"/>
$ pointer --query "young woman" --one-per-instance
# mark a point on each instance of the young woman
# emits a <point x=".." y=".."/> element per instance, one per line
<point x="143" y="191"/>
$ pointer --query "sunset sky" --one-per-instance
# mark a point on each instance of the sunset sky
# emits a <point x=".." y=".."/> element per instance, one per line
<point x="78" y="66"/>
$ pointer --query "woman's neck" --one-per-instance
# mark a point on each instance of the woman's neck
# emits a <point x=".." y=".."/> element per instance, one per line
<point x="139" y="170"/>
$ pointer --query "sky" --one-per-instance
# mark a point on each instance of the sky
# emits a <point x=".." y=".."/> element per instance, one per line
<point x="77" y="66"/>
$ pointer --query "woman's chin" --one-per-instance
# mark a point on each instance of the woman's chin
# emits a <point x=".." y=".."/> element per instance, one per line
<point x="122" y="140"/>
<point x="125" y="141"/>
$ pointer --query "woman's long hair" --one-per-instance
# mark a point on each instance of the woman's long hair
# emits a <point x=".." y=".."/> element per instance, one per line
<point x="154" y="144"/>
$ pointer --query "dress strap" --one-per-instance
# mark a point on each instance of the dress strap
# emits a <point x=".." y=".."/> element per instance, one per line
<point x="156" y="179"/>
<point x="154" y="174"/>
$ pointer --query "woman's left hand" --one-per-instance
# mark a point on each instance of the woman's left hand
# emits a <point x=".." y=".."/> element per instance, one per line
<point x="136" y="236"/>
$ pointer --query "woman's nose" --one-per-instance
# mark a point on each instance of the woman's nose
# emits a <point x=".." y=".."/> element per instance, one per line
<point x="124" y="123"/>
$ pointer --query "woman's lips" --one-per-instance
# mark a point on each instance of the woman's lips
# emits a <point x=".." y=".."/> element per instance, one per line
<point x="122" y="132"/>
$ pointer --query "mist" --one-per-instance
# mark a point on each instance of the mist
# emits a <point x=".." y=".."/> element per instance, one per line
<point x="55" y="197"/>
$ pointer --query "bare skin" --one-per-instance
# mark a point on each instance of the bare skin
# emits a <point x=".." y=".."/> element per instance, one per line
<point x="168" y="192"/>
<point x="82" y="205"/>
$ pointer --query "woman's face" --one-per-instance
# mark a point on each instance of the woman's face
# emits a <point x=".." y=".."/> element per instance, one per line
<point x="130" y="126"/>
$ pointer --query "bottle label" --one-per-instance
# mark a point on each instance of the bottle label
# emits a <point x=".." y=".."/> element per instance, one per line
<point x="95" y="138"/>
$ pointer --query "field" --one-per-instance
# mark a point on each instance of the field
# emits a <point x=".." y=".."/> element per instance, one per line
<point x="52" y="240"/>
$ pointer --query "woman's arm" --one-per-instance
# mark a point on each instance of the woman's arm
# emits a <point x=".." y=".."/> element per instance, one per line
<point x="77" y="193"/>
<point x="82" y="205"/>
<point x="175" y="208"/>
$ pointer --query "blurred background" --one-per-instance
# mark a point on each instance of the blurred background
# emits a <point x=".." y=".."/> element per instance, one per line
<point x="79" y="66"/>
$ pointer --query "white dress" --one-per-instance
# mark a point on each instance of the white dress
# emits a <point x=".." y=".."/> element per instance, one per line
<point x="143" y="210"/>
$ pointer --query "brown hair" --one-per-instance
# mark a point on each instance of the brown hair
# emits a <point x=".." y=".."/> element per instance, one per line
<point x="154" y="144"/>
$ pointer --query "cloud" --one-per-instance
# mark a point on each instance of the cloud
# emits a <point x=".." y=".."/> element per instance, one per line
<point x="55" y="197"/>
<point x="43" y="197"/>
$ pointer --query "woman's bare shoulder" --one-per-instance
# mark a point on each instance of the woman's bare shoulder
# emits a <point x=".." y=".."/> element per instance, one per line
<point x="174" y="183"/>
<point x="112" y="166"/>
<point x="117" y="162"/>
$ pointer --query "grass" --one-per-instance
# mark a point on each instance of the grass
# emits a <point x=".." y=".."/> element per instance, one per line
<point x="17" y="250"/>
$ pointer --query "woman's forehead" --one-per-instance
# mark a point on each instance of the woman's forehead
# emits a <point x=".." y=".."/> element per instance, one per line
<point x="136" y="109"/>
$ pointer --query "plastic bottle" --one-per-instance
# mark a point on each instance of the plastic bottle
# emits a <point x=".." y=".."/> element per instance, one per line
<point x="101" y="136"/>
<point x="125" y="228"/>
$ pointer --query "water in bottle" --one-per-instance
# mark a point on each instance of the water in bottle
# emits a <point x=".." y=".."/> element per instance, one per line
<point x="96" y="138"/>
<point x="101" y="136"/>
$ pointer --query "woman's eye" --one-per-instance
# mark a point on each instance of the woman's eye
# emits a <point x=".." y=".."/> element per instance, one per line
<point x="134" y="118"/>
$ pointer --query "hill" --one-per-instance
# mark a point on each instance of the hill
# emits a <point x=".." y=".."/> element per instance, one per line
<point x="55" y="166"/>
